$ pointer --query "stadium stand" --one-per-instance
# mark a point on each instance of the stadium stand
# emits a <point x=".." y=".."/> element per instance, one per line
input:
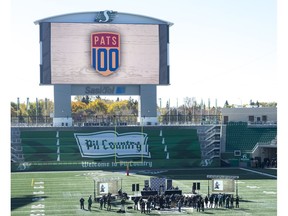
<point x="56" y="145"/>
<point x="241" y="137"/>
<point x="232" y="143"/>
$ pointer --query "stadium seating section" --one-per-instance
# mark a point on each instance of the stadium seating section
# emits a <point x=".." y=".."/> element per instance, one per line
<point x="46" y="145"/>
<point x="241" y="137"/>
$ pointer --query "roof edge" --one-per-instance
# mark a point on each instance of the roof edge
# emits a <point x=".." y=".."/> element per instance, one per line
<point x="89" y="17"/>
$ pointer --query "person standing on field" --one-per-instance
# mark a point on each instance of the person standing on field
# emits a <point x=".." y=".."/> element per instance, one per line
<point x="232" y="201"/>
<point x="237" y="201"/>
<point x="90" y="202"/>
<point x="101" y="203"/>
<point x="109" y="202"/>
<point x="206" y="201"/>
<point x="82" y="203"/>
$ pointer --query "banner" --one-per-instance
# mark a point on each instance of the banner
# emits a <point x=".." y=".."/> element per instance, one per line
<point x="103" y="188"/>
<point x="110" y="143"/>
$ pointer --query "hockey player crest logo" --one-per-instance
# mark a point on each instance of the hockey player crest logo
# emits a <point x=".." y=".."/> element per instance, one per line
<point x="105" y="52"/>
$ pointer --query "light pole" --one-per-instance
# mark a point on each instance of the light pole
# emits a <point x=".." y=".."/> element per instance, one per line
<point x="177" y="112"/>
<point x="36" y="111"/>
<point x="17" y="108"/>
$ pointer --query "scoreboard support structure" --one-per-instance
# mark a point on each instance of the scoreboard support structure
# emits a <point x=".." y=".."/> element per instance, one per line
<point x="102" y="53"/>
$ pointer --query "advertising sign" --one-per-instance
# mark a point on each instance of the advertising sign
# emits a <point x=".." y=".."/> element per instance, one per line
<point x="105" y="52"/>
<point x="110" y="143"/>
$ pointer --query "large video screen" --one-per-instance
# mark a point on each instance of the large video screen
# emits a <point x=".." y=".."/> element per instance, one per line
<point x="104" y="53"/>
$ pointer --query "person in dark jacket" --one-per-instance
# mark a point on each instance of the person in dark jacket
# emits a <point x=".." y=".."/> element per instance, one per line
<point x="101" y="203"/>
<point x="82" y="203"/>
<point x="89" y="202"/>
<point x="206" y="201"/>
<point x="109" y="205"/>
<point x="198" y="204"/>
<point x="202" y="204"/>
<point x="237" y="201"/>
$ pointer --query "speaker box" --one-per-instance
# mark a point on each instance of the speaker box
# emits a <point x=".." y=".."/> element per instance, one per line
<point x="198" y="185"/>
<point x="133" y="187"/>
<point x="168" y="184"/>
<point x="194" y="187"/>
<point x="137" y="187"/>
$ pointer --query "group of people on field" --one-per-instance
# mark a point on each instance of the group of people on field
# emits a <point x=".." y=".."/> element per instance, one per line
<point x="90" y="201"/>
<point x="105" y="201"/>
<point x="195" y="201"/>
<point x="160" y="202"/>
<point x="221" y="200"/>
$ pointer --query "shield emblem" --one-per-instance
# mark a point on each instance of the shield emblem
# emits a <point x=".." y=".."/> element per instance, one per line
<point x="105" y="52"/>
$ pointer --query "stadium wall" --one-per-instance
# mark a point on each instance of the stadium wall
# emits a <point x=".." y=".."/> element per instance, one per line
<point x="107" y="148"/>
<point x="250" y="115"/>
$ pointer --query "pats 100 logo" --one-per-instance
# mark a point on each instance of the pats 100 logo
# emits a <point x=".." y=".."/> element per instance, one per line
<point x="105" y="52"/>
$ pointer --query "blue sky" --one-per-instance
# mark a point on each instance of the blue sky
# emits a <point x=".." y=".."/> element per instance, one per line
<point x="219" y="49"/>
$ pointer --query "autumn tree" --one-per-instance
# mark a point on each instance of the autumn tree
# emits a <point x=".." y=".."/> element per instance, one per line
<point x="98" y="107"/>
<point x="118" y="108"/>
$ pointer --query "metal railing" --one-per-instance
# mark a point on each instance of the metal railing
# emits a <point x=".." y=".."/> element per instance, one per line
<point x="111" y="120"/>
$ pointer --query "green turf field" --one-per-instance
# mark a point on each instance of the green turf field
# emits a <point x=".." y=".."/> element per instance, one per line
<point x="58" y="193"/>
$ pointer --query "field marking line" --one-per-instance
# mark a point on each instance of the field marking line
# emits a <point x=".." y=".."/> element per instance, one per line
<point x="32" y="182"/>
<point x="261" y="173"/>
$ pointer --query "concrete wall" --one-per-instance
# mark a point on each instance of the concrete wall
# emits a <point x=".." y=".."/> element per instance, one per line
<point x="242" y="114"/>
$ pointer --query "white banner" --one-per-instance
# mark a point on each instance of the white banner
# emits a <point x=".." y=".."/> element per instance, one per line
<point x="110" y="144"/>
<point x="103" y="188"/>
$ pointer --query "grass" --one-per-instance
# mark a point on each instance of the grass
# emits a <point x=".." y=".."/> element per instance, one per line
<point x="58" y="193"/>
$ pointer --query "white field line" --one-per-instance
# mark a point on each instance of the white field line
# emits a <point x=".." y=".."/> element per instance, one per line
<point x="261" y="173"/>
